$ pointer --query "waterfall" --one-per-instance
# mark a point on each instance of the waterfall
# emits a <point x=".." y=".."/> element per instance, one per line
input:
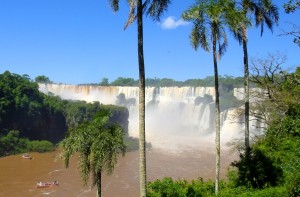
<point x="171" y="112"/>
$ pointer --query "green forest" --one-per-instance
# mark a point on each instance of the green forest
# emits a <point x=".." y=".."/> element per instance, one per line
<point x="33" y="121"/>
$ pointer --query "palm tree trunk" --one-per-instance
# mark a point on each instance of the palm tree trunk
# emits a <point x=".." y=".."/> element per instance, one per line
<point x="98" y="184"/>
<point x="217" y="116"/>
<point x="246" y="93"/>
<point x="142" y="141"/>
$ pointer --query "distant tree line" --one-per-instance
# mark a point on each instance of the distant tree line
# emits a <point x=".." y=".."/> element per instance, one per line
<point x="226" y="87"/>
<point x="226" y="82"/>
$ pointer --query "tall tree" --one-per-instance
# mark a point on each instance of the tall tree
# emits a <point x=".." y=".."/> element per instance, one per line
<point x="264" y="12"/>
<point x="267" y="74"/>
<point x="98" y="143"/>
<point x="209" y="20"/>
<point x="154" y="9"/>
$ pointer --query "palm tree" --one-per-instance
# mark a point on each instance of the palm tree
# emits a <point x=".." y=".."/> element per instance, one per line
<point x="154" y="9"/>
<point x="264" y="12"/>
<point x="209" y="20"/>
<point x="98" y="143"/>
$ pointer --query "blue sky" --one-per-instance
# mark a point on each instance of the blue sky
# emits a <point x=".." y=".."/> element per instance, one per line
<point x="76" y="41"/>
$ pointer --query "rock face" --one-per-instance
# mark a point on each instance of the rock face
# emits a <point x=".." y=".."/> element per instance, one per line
<point x="45" y="125"/>
<point x="52" y="128"/>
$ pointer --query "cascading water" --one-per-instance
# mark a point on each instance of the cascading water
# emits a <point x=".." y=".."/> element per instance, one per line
<point x="173" y="120"/>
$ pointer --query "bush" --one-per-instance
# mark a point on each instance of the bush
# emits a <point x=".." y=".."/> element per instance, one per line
<point x="167" y="187"/>
<point x="12" y="144"/>
<point x="248" y="192"/>
<point x="257" y="170"/>
<point x="180" y="188"/>
<point x="40" y="146"/>
<point x="293" y="188"/>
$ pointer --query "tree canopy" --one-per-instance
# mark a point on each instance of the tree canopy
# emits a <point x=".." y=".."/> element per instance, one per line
<point x="42" y="79"/>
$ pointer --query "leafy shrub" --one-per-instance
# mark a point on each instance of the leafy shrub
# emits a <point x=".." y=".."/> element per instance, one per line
<point x="248" y="192"/>
<point x="257" y="171"/>
<point x="294" y="186"/>
<point x="40" y="146"/>
<point x="166" y="188"/>
<point x="180" y="188"/>
<point x="12" y="144"/>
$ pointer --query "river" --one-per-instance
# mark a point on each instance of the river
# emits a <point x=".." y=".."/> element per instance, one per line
<point x="18" y="176"/>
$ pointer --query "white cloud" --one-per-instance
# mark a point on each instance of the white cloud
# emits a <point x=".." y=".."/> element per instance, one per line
<point x="172" y="23"/>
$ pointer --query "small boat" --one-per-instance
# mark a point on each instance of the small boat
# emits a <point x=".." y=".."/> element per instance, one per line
<point x="46" y="184"/>
<point x="26" y="156"/>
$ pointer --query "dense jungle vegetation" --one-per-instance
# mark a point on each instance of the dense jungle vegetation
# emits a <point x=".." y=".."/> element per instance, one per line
<point x="33" y="121"/>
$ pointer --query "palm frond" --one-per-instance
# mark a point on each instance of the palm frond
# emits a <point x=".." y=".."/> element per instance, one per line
<point x="238" y="35"/>
<point x="191" y="13"/>
<point x="114" y="4"/>
<point x="195" y="37"/>
<point x="132" y="15"/>
<point x="157" y="8"/>
<point x="222" y="41"/>
<point x="265" y="13"/>
<point x="85" y="167"/>
<point x="199" y="33"/>
<point x="250" y="5"/>
<point x="270" y="15"/>
<point x="204" y="42"/>
<point x="146" y="5"/>
<point x="236" y="20"/>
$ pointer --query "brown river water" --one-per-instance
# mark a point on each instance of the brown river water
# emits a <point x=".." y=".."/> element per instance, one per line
<point x="18" y="176"/>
